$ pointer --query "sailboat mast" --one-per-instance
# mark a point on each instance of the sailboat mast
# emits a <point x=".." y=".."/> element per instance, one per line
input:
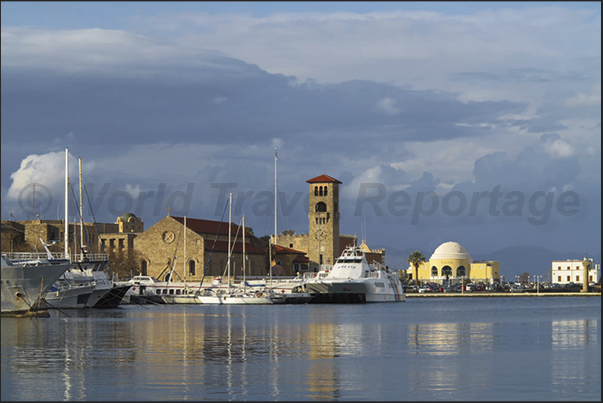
<point x="66" y="233"/>
<point x="244" y="256"/>
<point x="229" y="231"/>
<point x="184" y="254"/>
<point x="275" y="214"/>
<point x="81" y="213"/>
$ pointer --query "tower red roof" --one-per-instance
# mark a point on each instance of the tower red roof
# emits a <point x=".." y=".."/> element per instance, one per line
<point x="323" y="178"/>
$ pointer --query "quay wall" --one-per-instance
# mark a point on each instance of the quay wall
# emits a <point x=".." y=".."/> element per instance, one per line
<point x="502" y="294"/>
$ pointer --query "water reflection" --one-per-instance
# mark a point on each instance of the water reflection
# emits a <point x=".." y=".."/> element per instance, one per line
<point x="451" y="338"/>
<point x="292" y="353"/>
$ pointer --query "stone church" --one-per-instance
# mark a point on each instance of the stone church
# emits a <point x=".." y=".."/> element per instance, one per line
<point x="188" y="244"/>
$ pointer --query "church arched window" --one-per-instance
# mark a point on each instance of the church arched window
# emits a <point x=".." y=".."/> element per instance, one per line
<point x="326" y="191"/>
<point x="321" y="207"/>
<point x="315" y="190"/>
<point x="191" y="267"/>
<point x="320" y="191"/>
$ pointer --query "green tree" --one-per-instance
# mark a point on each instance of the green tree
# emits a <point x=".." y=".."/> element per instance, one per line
<point x="125" y="265"/>
<point x="416" y="259"/>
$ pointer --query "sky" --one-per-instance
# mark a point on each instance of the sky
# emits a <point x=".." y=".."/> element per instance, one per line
<point x="474" y="122"/>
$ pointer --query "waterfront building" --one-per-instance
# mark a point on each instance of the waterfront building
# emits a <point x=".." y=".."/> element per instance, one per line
<point x="323" y="243"/>
<point x="24" y="236"/>
<point x="169" y="245"/>
<point x="451" y="263"/>
<point x="118" y="239"/>
<point x="575" y="271"/>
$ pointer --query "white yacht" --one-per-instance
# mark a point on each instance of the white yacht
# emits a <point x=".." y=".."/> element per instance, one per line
<point x="353" y="279"/>
<point x="23" y="285"/>
<point x="147" y="289"/>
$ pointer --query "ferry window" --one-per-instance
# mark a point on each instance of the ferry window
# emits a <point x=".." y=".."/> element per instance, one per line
<point x="165" y="291"/>
<point x="178" y="292"/>
<point x="171" y="292"/>
<point x="158" y="291"/>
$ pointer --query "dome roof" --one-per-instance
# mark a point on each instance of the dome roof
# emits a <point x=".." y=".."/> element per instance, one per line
<point x="451" y="250"/>
<point x="126" y="217"/>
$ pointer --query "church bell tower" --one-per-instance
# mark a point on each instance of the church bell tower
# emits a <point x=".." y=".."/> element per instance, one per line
<point x="323" y="214"/>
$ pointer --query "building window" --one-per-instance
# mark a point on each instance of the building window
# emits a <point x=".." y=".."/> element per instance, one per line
<point x="434" y="271"/>
<point x="447" y="271"/>
<point x="191" y="267"/>
<point x="568" y="278"/>
<point x="460" y="271"/>
<point x="315" y="190"/>
<point x="577" y="278"/>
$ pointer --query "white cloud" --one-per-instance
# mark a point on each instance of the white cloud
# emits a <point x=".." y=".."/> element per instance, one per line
<point x="386" y="105"/>
<point x="592" y="98"/>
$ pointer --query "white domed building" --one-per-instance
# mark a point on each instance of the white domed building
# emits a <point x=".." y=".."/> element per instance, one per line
<point x="451" y="262"/>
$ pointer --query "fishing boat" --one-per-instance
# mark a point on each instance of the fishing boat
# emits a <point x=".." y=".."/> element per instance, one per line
<point x="24" y="285"/>
<point x="353" y="280"/>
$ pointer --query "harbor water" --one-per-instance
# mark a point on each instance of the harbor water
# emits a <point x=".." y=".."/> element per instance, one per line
<point x="423" y="349"/>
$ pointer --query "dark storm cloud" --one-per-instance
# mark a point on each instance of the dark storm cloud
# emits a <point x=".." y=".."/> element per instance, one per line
<point x="218" y="105"/>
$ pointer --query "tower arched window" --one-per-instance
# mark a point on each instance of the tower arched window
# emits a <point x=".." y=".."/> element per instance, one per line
<point x="326" y="191"/>
<point x="321" y="207"/>
<point x="320" y="191"/>
<point x="315" y="190"/>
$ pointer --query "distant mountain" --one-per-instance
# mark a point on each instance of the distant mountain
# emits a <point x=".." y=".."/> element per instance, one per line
<point x="514" y="260"/>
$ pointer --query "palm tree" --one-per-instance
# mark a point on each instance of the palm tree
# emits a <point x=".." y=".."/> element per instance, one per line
<point x="416" y="259"/>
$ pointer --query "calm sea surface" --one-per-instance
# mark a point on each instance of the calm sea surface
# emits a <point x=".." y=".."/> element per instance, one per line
<point x="521" y="348"/>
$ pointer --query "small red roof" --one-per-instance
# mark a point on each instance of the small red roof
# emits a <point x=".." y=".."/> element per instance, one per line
<point x="282" y="249"/>
<point x="323" y="178"/>
<point x="209" y="226"/>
